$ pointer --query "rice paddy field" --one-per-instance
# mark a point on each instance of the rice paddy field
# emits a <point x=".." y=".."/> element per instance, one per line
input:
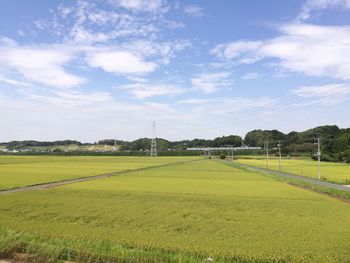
<point x="333" y="172"/>
<point x="184" y="212"/>
<point x="16" y="171"/>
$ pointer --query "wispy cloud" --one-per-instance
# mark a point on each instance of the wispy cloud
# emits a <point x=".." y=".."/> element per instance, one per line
<point x="72" y="98"/>
<point x="303" y="48"/>
<point x="250" y="75"/>
<point x="212" y="82"/>
<point x="162" y="51"/>
<point x="40" y="64"/>
<point x="14" y="82"/>
<point x="194" y="10"/>
<point x="142" y="5"/>
<point x="326" y="94"/>
<point x="193" y="101"/>
<point x="146" y="90"/>
<point x="243" y="50"/>
<point x="311" y="6"/>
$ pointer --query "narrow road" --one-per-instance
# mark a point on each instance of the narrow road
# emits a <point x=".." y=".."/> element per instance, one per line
<point x="296" y="177"/>
<point x="83" y="179"/>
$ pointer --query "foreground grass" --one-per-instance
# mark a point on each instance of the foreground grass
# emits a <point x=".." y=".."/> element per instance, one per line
<point x="180" y="213"/>
<point x="16" y="171"/>
<point x="332" y="172"/>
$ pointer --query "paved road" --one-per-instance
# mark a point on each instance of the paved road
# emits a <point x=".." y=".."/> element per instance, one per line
<point x="83" y="179"/>
<point x="296" y="177"/>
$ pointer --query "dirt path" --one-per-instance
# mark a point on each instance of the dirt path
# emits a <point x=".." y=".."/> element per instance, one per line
<point x="296" y="177"/>
<point x="83" y="179"/>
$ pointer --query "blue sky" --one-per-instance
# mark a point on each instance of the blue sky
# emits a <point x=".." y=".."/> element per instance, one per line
<point x="88" y="70"/>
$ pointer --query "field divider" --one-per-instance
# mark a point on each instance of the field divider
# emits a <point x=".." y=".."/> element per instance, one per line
<point x="87" y="178"/>
<point x="291" y="176"/>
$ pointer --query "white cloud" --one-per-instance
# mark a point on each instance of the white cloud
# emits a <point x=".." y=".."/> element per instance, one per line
<point x="72" y="98"/>
<point x="238" y="49"/>
<point x="318" y="5"/>
<point x="193" y="101"/>
<point x="328" y="93"/>
<point x="250" y="75"/>
<point x="238" y="104"/>
<point x="108" y="37"/>
<point x="303" y="48"/>
<point x="90" y="22"/>
<point x="142" y="5"/>
<point x="193" y="10"/>
<point x="14" y="82"/>
<point x="163" y="52"/>
<point x="212" y="82"/>
<point x="42" y="64"/>
<point x="145" y="90"/>
<point x="120" y="62"/>
<point x="79" y="115"/>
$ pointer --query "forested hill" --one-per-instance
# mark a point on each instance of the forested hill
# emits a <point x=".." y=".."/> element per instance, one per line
<point x="335" y="142"/>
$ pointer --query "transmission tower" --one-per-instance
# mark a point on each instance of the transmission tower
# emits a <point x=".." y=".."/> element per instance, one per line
<point x="154" y="142"/>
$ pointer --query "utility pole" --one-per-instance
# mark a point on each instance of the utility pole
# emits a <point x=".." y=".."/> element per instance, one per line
<point x="232" y="152"/>
<point x="153" y="141"/>
<point x="266" y="146"/>
<point x="319" y="156"/>
<point x="279" y="154"/>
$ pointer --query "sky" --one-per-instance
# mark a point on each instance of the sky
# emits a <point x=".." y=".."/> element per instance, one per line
<point x="89" y="70"/>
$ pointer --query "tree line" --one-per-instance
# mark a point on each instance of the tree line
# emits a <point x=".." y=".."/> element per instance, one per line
<point x="335" y="142"/>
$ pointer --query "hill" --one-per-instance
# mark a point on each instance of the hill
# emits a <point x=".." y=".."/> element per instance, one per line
<point x="335" y="144"/>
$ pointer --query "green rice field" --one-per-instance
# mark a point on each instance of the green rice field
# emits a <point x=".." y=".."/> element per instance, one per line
<point x="333" y="172"/>
<point x="16" y="171"/>
<point x="183" y="212"/>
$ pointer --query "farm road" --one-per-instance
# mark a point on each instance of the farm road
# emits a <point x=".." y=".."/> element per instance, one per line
<point x="296" y="177"/>
<point x="83" y="179"/>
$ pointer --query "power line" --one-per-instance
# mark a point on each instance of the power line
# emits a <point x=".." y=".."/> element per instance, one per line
<point x="237" y="116"/>
<point x="283" y="104"/>
<point x="278" y="108"/>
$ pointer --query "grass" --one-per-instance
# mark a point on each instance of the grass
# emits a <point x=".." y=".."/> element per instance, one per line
<point x="16" y="171"/>
<point x="332" y="172"/>
<point x="180" y="213"/>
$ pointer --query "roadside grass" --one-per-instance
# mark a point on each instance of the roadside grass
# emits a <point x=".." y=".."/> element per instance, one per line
<point x="181" y="213"/>
<point x="332" y="172"/>
<point x="16" y="171"/>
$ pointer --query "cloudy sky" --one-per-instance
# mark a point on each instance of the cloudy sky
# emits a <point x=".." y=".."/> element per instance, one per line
<point x="89" y="70"/>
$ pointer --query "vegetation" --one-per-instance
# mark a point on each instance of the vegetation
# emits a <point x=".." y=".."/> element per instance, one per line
<point x="180" y="213"/>
<point x="332" y="172"/>
<point x="18" y="171"/>
<point x="335" y="144"/>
